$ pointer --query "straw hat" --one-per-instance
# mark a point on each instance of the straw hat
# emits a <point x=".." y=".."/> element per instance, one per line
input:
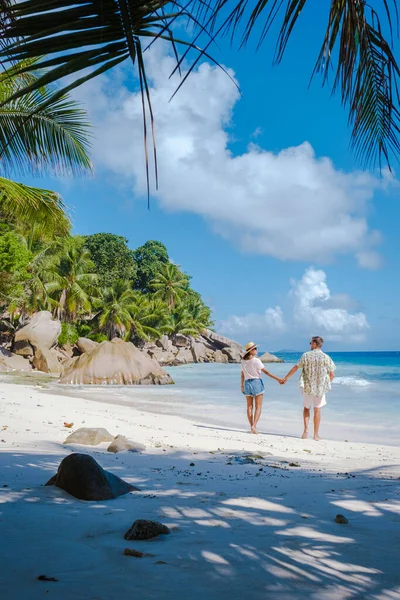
<point x="249" y="347"/>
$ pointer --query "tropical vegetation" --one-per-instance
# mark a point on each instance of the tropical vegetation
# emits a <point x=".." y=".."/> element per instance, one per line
<point x="85" y="39"/>
<point x="81" y="288"/>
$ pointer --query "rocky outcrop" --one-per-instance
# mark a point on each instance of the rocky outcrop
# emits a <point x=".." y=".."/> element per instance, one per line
<point x="205" y="348"/>
<point x="82" y="477"/>
<point x="42" y="332"/>
<point x="115" y="362"/>
<point x="13" y="362"/>
<point x="86" y="345"/>
<point x="36" y="341"/>
<point x="267" y="357"/>
<point x="46" y="361"/>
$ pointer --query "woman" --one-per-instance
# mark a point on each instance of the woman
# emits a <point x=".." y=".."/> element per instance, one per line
<point x="252" y="385"/>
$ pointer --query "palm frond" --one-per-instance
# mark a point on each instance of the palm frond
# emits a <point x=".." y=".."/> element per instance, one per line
<point x="27" y="203"/>
<point x="354" y="47"/>
<point x="88" y="36"/>
<point x="40" y="132"/>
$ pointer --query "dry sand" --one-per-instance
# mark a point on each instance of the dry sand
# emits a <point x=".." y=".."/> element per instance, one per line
<point x="245" y="524"/>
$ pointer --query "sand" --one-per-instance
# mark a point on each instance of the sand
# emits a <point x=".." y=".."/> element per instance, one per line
<point x="244" y="522"/>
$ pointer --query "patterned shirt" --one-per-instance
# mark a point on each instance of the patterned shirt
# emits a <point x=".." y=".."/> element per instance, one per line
<point x="316" y="366"/>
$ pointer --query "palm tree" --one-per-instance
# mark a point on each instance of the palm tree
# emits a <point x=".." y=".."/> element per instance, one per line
<point x="170" y="284"/>
<point x="74" y="282"/>
<point x="114" y="317"/>
<point x="97" y="36"/>
<point x="40" y="132"/>
<point x="150" y="318"/>
<point x="181" y="321"/>
<point x="200" y="313"/>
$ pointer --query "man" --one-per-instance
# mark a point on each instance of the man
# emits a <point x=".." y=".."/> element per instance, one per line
<point x="316" y="377"/>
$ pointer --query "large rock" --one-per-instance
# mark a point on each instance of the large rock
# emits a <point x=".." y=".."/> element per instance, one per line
<point x="233" y="353"/>
<point x="42" y="332"/>
<point x="199" y="352"/>
<point x="183" y="357"/>
<point x="180" y="341"/>
<point x="220" y="341"/>
<point x="267" y="357"/>
<point x="121" y="443"/>
<point x="164" y="357"/>
<point x="89" y="436"/>
<point x="23" y="348"/>
<point x="46" y="361"/>
<point x="164" y="342"/>
<point x="220" y="357"/>
<point x="86" y="345"/>
<point x="81" y="476"/>
<point x="115" y="363"/>
<point x="13" y="362"/>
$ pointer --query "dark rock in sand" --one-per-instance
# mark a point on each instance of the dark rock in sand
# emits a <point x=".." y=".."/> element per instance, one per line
<point x="341" y="519"/>
<point x="145" y="530"/>
<point x="81" y="476"/>
<point x="89" y="436"/>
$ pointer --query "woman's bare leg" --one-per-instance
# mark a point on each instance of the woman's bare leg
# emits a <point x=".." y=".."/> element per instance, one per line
<point x="257" y="414"/>
<point x="249" y="400"/>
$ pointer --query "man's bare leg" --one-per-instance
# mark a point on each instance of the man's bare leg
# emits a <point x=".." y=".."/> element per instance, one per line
<point x="257" y="414"/>
<point x="306" y="419"/>
<point x="249" y="400"/>
<point x="317" y="421"/>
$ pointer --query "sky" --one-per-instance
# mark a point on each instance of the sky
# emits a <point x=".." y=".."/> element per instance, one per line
<point x="259" y="200"/>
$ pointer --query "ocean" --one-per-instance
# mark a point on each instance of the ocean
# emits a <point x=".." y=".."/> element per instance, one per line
<point x="363" y="405"/>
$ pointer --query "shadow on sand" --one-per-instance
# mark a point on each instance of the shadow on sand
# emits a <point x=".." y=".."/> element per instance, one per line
<point x="233" y="536"/>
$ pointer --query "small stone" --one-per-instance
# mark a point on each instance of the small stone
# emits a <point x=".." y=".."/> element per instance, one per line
<point x="145" y="530"/>
<point x="132" y="552"/>
<point x="192" y="465"/>
<point x="45" y="578"/>
<point x="341" y="519"/>
<point x="294" y="464"/>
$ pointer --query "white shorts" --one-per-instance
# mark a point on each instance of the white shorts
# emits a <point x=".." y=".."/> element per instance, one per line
<point x="317" y="401"/>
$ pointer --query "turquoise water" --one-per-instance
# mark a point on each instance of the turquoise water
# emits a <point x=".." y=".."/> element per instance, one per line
<point x="363" y="405"/>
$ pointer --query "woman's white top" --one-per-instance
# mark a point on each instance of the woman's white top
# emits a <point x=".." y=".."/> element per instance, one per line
<point x="252" y="368"/>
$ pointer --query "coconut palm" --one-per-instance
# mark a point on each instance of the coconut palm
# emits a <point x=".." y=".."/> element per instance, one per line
<point x="181" y="321"/>
<point x="150" y="318"/>
<point x="170" y="284"/>
<point x="40" y="133"/>
<point x="97" y="36"/>
<point x="74" y="282"/>
<point x="114" y="317"/>
<point x="200" y="313"/>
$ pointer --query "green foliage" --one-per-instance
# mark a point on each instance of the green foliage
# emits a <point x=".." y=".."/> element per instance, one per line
<point x="112" y="257"/>
<point x="62" y="277"/>
<point x="69" y="334"/>
<point x="14" y="255"/>
<point x="150" y="259"/>
<point x="170" y="284"/>
<point x="14" y="260"/>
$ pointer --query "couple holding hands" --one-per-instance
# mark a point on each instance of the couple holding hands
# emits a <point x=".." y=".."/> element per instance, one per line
<point x="317" y="373"/>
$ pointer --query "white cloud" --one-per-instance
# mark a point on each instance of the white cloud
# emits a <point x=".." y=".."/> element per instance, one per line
<point x="314" y="311"/>
<point x="260" y="326"/>
<point x="289" y="205"/>
<point x="309" y="313"/>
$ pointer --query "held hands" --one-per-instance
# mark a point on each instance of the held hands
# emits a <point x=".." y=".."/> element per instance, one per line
<point x="281" y="381"/>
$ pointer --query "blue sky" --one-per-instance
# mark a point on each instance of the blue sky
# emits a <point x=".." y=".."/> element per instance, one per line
<point x="283" y="244"/>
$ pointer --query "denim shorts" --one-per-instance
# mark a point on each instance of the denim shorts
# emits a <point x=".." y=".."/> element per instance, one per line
<point x="253" y="387"/>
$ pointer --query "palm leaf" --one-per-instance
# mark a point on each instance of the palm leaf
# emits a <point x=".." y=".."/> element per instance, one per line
<point x="27" y="203"/>
<point x="88" y="35"/>
<point x="355" y="48"/>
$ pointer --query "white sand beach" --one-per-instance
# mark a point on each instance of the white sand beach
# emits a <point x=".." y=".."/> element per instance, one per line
<point x="245" y="524"/>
